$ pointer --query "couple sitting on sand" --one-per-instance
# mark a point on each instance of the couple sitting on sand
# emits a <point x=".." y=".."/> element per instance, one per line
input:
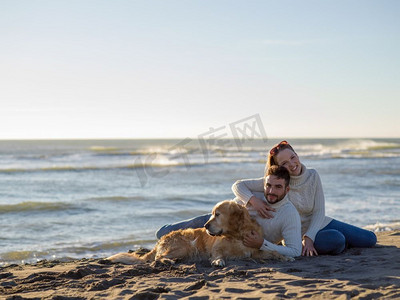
<point x="289" y="205"/>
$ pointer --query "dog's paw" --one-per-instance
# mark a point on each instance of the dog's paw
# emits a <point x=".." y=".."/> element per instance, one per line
<point x="167" y="261"/>
<point x="218" y="262"/>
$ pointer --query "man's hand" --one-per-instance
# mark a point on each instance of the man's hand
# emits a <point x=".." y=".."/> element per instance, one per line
<point x="262" y="207"/>
<point x="253" y="240"/>
<point x="308" y="247"/>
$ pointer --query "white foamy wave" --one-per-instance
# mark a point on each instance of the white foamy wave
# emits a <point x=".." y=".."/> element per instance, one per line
<point x="383" y="227"/>
<point x="354" y="148"/>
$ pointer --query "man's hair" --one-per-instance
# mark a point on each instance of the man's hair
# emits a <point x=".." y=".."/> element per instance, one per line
<point x="279" y="172"/>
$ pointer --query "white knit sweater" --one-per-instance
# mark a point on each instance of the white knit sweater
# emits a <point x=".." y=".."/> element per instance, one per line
<point x="305" y="193"/>
<point x="285" y="225"/>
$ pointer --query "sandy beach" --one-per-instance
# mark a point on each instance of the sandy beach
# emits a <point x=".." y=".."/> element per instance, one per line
<point x="357" y="273"/>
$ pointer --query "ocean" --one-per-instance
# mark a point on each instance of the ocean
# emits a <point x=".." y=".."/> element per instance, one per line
<point x="66" y="199"/>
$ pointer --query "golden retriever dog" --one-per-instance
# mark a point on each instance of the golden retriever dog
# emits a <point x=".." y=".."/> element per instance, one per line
<point x="220" y="239"/>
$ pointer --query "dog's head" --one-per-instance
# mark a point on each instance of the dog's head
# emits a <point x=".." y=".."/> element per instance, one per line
<point x="227" y="217"/>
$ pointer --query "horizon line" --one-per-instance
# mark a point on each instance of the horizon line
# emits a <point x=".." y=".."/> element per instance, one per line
<point x="180" y="138"/>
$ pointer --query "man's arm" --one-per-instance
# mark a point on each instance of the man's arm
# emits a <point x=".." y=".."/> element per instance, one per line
<point x="291" y="234"/>
<point x="244" y="189"/>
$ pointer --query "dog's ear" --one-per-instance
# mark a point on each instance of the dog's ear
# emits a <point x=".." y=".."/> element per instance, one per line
<point x="235" y="209"/>
<point x="243" y="218"/>
<point x="236" y="215"/>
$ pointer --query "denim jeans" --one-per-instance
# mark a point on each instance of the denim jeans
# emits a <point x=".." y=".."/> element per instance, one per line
<point x="336" y="236"/>
<point x="196" y="222"/>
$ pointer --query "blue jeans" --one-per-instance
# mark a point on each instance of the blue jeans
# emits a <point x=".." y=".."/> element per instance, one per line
<point x="196" y="222"/>
<point x="336" y="236"/>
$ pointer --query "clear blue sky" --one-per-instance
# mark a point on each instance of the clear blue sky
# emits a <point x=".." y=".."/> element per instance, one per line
<point x="147" y="69"/>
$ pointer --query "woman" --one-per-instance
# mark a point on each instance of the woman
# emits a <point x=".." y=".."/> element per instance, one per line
<point x="320" y="234"/>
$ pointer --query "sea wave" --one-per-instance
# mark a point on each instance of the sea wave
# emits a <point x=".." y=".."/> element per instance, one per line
<point x="140" y="164"/>
<point x="384" y="226"/>
<point x="104" y="149"/>
<point x="21" y="256"/>
<point x="94" y="249"/>
<point x="105" y="246"/>
<point x="354" y="148"/>
<point x="34" y="206"/>
<point x="49" y="169"/>
<point x="114" y="157"/>
<point x="87" y="168"/>
<point x="115" y="199"/>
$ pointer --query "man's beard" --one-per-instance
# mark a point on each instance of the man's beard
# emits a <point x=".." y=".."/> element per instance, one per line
<point x="275" y="195"/>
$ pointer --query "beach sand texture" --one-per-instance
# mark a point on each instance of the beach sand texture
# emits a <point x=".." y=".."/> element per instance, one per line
<point x="372" y="273"/>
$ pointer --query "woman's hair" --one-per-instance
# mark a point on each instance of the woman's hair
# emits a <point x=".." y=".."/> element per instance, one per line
<point x="280" y="173"/>
<point x="274" y="151"/>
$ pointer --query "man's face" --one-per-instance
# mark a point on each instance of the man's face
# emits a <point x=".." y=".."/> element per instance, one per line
<point x="275" y="189"/>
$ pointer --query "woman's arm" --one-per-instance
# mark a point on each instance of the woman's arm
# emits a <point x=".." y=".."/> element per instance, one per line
<point x="318" y="213"/>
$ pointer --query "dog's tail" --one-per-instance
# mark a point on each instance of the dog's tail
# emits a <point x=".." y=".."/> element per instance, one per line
<point x="132" y="258"/>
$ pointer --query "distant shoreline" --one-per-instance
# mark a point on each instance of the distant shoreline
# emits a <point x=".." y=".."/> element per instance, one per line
<point x="192" y="137"/>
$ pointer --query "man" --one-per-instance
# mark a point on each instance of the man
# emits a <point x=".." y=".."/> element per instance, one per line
<point x="284" y="225"/>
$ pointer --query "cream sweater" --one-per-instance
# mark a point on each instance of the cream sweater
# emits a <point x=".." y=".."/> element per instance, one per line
<point x="305" y="193"/>
<point x="285" y="225"/>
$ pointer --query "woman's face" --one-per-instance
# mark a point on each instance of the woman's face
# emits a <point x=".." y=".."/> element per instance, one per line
<point x="288" y="159"/>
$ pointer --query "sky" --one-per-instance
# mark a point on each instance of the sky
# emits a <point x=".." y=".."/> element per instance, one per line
<point x="173" y="69"/>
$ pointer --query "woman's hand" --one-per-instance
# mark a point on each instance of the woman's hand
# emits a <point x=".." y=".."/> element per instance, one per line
<point x="308" y="247"/>
<point x="262" y="207"/>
